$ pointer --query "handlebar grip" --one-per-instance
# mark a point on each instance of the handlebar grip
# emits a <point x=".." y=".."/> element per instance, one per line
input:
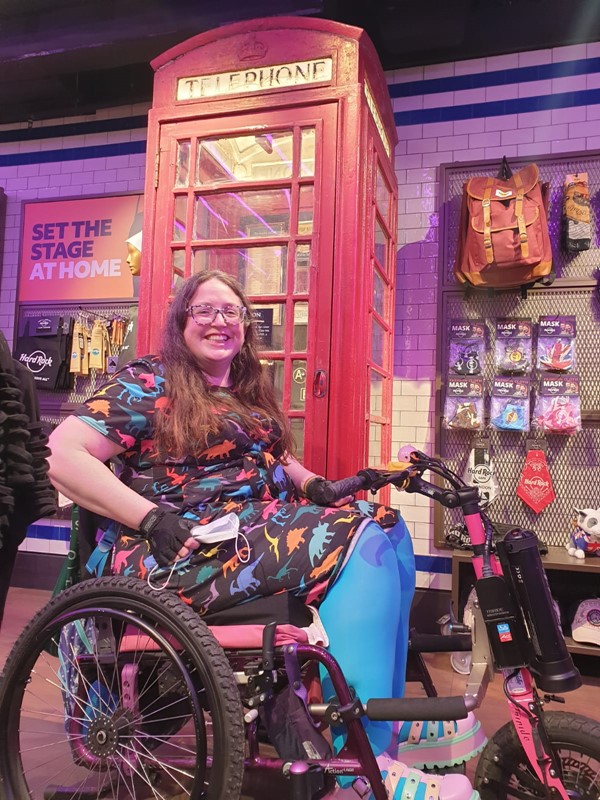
<point x="328" y="492"/>
<point x="416" y="708"/>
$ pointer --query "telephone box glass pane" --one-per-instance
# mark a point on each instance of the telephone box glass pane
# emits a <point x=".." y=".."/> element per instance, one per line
<point x="301" y="283"/>
<point x="274" y="370"/>
<point x="305" y="217"/>
<point x="381" y="244"/>
<point x="300" y="326"/>
<point x="377" y="343"/>
<point x="298" y="399"/>
<point x="177" y="268"/>
<point x="260" y="270"/>
<point x="297" y="426"/>
<point x="179" y="224"/>
<point x="269" y="325"/>
<point x="263" y="270"/>
<point x="378" y="293"/>
<point x="260" y="157"/>
<point x="376" y="394"/>
<point x="182" y="171"/>
<point x="382" y="194"/>
<point x="307" y="153"/>
<point x="242" y="215"/>
<point x="375" y="444"/>
<point x="223" y="259"/>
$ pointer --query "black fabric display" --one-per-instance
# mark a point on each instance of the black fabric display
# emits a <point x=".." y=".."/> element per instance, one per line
<point x="26" y="493"/>
<point x="42" y="355"/>
<point x="44" y="347"/>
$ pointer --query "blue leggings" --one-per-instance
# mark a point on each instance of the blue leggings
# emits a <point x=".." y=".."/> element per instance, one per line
<point x="365" y="614"/>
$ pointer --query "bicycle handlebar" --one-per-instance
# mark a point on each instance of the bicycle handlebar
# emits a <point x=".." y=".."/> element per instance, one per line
<point x="419" y="708"/>
<point x="329" y="492"/>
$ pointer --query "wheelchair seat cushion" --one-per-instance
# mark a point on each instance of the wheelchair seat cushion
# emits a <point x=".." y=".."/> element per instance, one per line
<point x="283" y="608"/>
<point x="241" y="627"/>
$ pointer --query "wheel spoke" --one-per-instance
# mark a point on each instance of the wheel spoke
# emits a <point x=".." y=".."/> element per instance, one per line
<point x="98" y="721"/>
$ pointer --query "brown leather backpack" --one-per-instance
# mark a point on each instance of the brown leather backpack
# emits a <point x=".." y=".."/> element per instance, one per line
<point x="503" y="240"/>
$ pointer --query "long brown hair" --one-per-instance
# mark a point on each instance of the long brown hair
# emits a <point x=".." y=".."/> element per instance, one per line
<point x="189" y="418"/>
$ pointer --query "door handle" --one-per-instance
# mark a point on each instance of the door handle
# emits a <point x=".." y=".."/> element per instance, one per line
<point x="320" y="383"/>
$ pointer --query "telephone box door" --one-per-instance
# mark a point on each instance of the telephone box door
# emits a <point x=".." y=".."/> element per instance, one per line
<point x="253" y="195"/>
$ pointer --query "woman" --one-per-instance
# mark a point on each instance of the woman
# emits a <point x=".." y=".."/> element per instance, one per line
<point x="201" y="441"/>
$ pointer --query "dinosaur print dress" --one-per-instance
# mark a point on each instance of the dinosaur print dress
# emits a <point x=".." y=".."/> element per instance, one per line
<point x="288" y="544"/>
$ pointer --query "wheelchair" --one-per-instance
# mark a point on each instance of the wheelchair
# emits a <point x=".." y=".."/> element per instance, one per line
<point x="116" y="690"/>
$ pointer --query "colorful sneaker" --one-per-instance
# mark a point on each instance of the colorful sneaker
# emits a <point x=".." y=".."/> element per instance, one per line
<point x="429" y="745"/>
<point x="404" y="783"/>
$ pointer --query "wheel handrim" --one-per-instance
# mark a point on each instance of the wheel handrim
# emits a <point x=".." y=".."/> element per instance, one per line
<point x="72" y="726"/>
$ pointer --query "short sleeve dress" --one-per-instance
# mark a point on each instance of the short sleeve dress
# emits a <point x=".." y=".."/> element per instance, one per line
<point x="288" y="544"/>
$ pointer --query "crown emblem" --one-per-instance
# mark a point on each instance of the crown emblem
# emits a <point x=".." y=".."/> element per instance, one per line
<point x="252" y="49"/>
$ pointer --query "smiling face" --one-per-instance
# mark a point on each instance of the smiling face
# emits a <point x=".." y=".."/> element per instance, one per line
<point x="214" y="345"/>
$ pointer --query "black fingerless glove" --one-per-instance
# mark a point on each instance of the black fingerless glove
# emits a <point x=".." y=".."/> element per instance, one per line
<point x="166" y="532"/>
<point x="317" y="490"/>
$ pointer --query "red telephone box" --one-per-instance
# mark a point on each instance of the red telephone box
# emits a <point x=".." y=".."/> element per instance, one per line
<point x="270" y="157"/>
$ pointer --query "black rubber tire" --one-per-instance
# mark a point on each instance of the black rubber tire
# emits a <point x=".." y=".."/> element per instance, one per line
<point x="160" y="613"/>
<point x="503" y="767"/>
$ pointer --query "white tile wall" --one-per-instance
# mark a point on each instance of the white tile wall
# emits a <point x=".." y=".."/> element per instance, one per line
<point x="534" y="133"/>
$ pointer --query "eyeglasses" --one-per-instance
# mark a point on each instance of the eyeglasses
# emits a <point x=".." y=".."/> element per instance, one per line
<point x="205" y="314"/>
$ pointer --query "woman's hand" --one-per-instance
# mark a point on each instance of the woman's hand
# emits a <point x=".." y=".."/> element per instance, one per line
<point x="168" y="535"/>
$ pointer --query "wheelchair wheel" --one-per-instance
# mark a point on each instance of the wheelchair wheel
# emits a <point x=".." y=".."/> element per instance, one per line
<point x="504" y="772"/>
<point x="118" y="691"/>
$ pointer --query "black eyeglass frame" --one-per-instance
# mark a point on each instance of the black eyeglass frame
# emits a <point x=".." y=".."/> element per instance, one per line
<point x="242" y="310"/>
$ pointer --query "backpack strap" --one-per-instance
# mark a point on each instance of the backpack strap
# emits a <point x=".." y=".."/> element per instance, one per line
<point x="97" y="561"/>
<point x="487" y="220"/>
<point x="520" y="216"/>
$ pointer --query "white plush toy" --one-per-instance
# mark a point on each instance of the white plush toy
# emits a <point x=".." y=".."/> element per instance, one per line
<point x="585" y="538"/>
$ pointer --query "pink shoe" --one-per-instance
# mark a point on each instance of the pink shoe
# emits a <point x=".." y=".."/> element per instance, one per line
<point x="427" y="745"/>
<point x="404" y="783"/>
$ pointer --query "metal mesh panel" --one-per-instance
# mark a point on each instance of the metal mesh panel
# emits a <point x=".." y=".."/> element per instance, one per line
<point x="552" y="170"/>
<point x="55" y="405"/>
<point x="578" y="302"/>
<point x="573" y="460"/>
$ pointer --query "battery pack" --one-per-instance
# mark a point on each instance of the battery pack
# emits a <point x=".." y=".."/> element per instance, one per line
<point x="503" y="622"/>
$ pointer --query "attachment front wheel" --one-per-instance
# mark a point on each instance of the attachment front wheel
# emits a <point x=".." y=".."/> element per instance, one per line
<point x="503" y="770"/>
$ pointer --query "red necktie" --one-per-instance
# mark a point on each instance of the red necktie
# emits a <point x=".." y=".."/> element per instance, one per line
<point x="535" y="485"/>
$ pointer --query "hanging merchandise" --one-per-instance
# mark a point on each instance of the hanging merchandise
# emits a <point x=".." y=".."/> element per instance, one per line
<point x="481" y="472"/>
<point x="41" y="350"/>
<point x="585" y="537"/>
<point x="503" y="239"/>
<point x="467" y="346"/>
<point x="509" y="407"/>
<point x="127" y="350"/>
<point x="577" y="229"/>
<point x="513" y="351"/>
<point x="100" y="346"/>
<point x="464" y="404"/>
<point x="556" y="344"/>
<point x="79" y="362"/>
<point x="535" y="484"/>
<point x="65" y="380"/>
<point x="558" y="404"/>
